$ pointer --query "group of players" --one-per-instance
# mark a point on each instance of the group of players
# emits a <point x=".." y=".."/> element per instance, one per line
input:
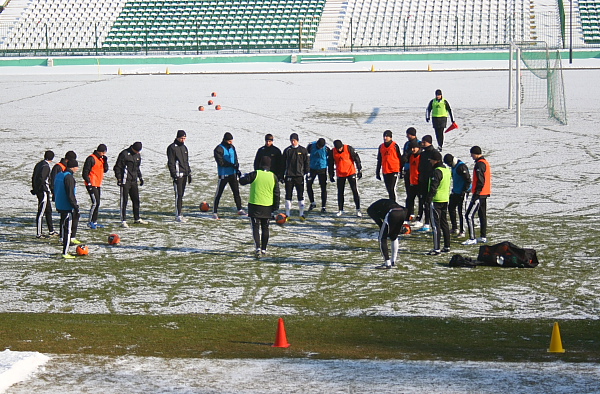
<point x="438" y="189"/>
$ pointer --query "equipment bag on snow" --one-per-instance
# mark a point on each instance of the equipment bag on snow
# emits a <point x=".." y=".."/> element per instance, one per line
<point x="506" y="254"/>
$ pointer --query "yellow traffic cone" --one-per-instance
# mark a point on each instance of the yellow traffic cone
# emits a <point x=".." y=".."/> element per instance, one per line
<point x="372" y="67"/>
<point x="429" y="67"/>
<point x="167" y="71"/>
<point x="555" y="341"/>
<point x="120" y="72"/>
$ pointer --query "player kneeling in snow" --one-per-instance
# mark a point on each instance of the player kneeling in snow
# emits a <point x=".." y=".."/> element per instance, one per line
<point x="390" y="217"/>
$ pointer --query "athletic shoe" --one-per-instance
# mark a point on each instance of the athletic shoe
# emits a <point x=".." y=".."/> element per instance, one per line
<point x="257" y="253"/>
<point x="470" y="241"/>
<point x="303" y="217"/>
<point x="455" y="231"/>
<point x="461" y="235"/>
<point x="75" y="241"/>
<point x="312" y="206"/>
<point x="124" y="224"/>
<point x="358" y="213"/>
<point x="180" y="219"/>
<point x="263" y="252"/>
<point x="434" y="252"/>
<point x="68" y="256"/>
<point x="339" y="213"/>
<point x="42" y="236"/>
<point x="215" y="216"/>
<point x="323" y="210"/>
<point x="425" y="228"/>
<point x="417" y="224"/>
<point x="440" y="149"/>
<point x="140" y="221"/>
<point x="99" y="225"/>
<point x="53" y="234"/>
<point x="241" y="212"/>
<point x="92" y="226"/>
<point x="446" y="249"/>
<point x="482" y="240"/>
<point x="384" y="267"/>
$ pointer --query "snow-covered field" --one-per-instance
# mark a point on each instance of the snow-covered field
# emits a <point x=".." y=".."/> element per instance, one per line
<point x="544" y="196"/>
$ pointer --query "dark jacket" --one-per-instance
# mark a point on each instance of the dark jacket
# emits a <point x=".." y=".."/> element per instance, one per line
<point x="380" y="208"/>
<point x="177" y="160"/>
<point x="436" y="178"/>
<point x="297" y="162"/>
<point x="425" y="168"/>
<point x="58" y="168"/>
<point x="127" y="167"/>
<point x="276" y="159"/>
<point x="89" y="163"/>
<point x="40" y="180"/>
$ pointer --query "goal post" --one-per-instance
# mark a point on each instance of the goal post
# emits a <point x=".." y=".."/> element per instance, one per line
<point x="537" y="86"/>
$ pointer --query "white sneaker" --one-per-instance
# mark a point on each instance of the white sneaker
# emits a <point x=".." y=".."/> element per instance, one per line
<point x="140" y="221"/>
<point x="482" y="240"/>
<point x="215" y="216"/>
<point x="358" y="213"/>
<point x="461" y="235"/>
<point x="339" y="213"/>
<point x="470" y="241"/>
<point x="124" y="224"/>
<point x="241" y="212"/>
<point x="417" y="224"/>
<point x="181" y="219"/>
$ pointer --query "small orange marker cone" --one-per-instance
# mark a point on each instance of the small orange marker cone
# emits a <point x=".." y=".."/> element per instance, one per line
<point x="555" y="341"/>
<point x="452" y="127"/>
<point x="281" y="337"/>
<point x="214" y="94"/>
<point x="200" y="108"/>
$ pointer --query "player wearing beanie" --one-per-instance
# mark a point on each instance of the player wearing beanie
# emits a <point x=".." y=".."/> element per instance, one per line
<point x="439" y="110"/>
<point x="179" y="168"/>
<point x="40" y="187"/>
<point x="481" y="189"/>
<point x="228" y="169"/>
<point x="347" y="168"/>
<point x="296" y="166"/>
<point x="94" y="168"/>
<point x="65" y="189"/>
<point x="389" y="161"/>
<point x="319" y="155"/>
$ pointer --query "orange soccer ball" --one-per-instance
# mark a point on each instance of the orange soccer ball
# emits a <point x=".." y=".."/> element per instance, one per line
<point x="406" y="229"/>
<point x="82" y="250"/>
<point x="204" y="207"/>
<point x="114" y="239"/>
<point x="281" y="218"/>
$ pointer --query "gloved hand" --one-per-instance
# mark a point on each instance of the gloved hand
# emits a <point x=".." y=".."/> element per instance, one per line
<point x="189" y="179"/>
<point x="89" y="188"/>
<point x="378" y="176"/>
<point x="141" y="182"/>
<point x="32" y="192"/>
<point x="427" y="120"/>
<point x="238" y="174"/>
<point x="331" y="179"/>
<point x="401" y="174"/>
<point x="119" y="183"/>
<point x="359" y="175"/>
<point x="308" y="178"/>
<point x="281" y="180"/>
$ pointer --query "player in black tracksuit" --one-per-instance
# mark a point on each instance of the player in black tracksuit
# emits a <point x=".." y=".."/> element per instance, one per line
<point x="179" y="168"/>
<point x="425" y="173"/>
<point x="127" y="171"/>
<point x="297" y="165"/>
<point x="390" y="217"/>
<point x="40" y="187"/>
<point x="274" y="153"/>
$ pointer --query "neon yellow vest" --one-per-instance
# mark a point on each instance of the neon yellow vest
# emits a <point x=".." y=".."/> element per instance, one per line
<point x="438" y="108"/>
<point x="261" y="190"/>
<point x="443" y="191"/>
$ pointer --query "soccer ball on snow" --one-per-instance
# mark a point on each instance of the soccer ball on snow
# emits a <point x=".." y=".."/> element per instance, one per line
<point x="82" y="250"/>
<point x="281" y="218"/>
<point x="114" y="239"/>
<point x="204" y="207"/>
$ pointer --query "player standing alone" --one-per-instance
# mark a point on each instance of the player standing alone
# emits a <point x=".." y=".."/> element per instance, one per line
<point x="179" y="168"/>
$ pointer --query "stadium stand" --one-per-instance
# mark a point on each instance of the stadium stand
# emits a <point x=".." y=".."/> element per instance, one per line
<point x="181" y="26"/>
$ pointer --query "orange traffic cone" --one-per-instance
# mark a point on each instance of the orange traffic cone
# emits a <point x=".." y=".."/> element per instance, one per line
<point x="452" y="127"/>
<point x="555" y="341"/>
<point x="281" y="337"/>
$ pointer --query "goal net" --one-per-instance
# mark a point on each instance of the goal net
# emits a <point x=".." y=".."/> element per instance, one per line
<point x="540" y="95"/>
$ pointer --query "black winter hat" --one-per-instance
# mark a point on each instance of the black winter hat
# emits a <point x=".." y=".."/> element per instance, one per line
<point x="411" y="131"/>
<point x="137" y="146"/>
<point x="476" y="150"/>
<point x="48" y="155"/>
<point x="448" y="159"/>
<point x="387" y="133"/>
<point x="72" y="163"/>
<point x="181" y="133"/>
<point x="338" y="144"/>
<point x="427" y="138"/>
<point x="227" y="136"/>
<point x="413" y="144"/>
<point x="438" y="92"/>
<point x="435" y="155"/>
<point x="101" y="148"/>
<point x="70" y="155"/>
<point x="321" y="143"/>
<point x="294" y="136"/>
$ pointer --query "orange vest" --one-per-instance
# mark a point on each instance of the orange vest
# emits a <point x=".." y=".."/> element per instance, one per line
<point x="390" y="161"/>
<point x="62" y="166"/>
<point x="96" y="173"/>
<point x="344" y="165"/>
<point x="487" y="186"/>
<point x="413" y="169"/>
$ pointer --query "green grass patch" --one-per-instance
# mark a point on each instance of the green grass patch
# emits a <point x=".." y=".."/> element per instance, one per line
<point x="251" y="336"/>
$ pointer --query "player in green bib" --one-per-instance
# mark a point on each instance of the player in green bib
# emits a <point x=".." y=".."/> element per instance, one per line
<point x="439" y="110"/>
<point x="263" y="201"/>
<point x="437" y="201"/>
